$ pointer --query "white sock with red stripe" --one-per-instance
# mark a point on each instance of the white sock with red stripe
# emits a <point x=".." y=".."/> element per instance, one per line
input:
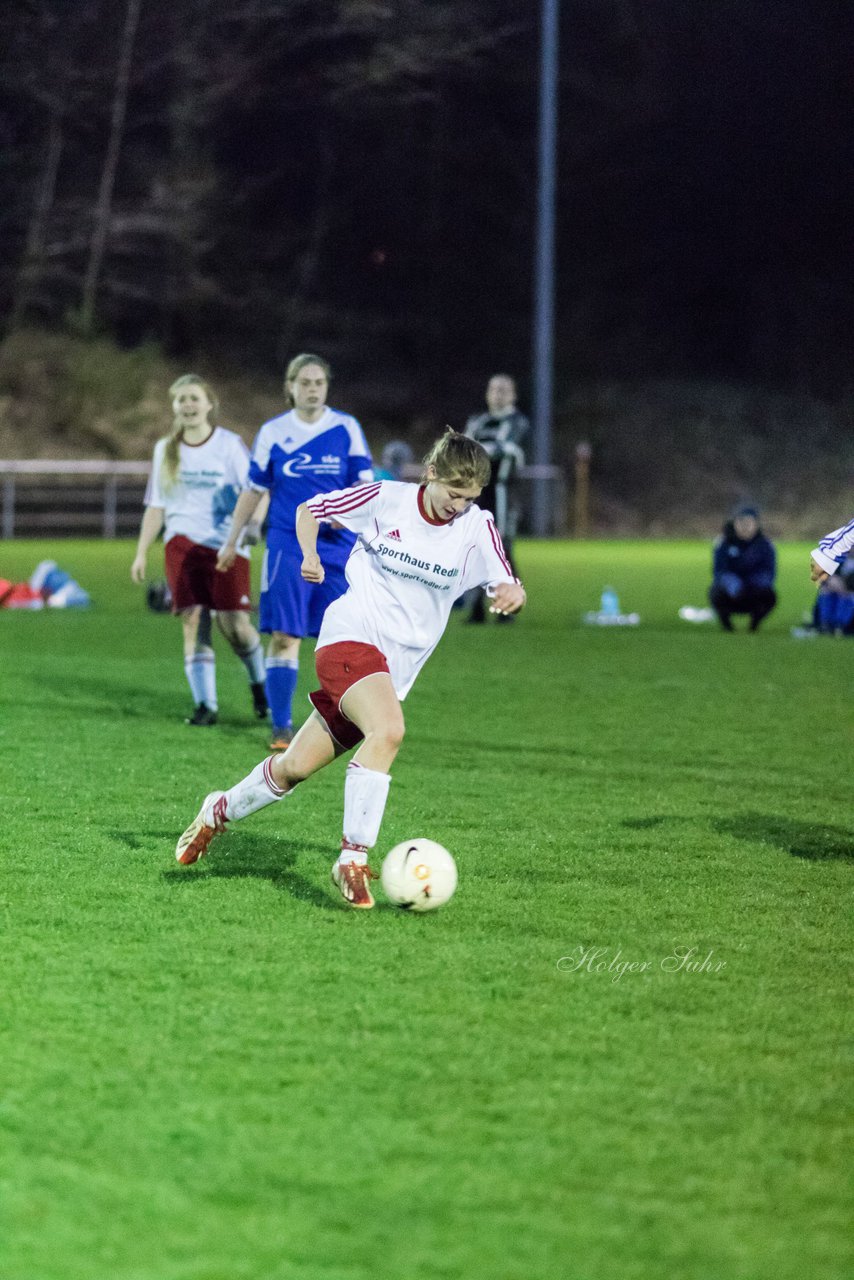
<point x="365" y="795"/>
<point x="255" y="792"/>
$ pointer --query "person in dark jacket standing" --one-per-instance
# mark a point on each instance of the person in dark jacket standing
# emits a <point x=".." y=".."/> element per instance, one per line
<point x="501" y="431"/>
<point x="744" y="568"/>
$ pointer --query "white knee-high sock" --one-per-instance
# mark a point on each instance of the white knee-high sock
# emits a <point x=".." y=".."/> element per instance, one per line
<point x="365" y="795"/>
<point x="255" y="792"/>
<point x="200" y="670"/>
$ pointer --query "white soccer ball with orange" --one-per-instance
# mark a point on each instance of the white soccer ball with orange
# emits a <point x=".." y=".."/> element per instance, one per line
<point x="418" y="875"/>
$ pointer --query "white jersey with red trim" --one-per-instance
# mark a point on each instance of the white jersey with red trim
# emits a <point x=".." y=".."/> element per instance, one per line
<point x="210" y="477"/>
<point x="405" y="571"/>
<point x="833" y="548"/>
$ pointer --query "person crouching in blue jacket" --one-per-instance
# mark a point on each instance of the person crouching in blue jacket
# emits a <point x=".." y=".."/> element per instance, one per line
<point x="744" y="567"/>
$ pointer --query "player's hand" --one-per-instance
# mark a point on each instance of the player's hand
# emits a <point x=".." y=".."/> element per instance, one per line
<point x="226" y="557"/>
<point x="312" y="569"/>
<point x="817" y="573"/>
<point x="137" y="569"/>
<point x="509" y="598"/>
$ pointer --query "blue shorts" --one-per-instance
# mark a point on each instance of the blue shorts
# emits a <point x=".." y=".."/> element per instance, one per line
<point x="290" y="604"/>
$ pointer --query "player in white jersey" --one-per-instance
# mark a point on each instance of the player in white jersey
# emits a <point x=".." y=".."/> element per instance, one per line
<point x="405" y="572"/>
<point x="418" y="548"/>
<point x="826" y="558"/>
<point x="197" y="473"/>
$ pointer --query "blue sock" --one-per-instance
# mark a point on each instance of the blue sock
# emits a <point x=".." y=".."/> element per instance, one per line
<point x="825" y="611"/>
<point x="844" y="612"/>
<point x="281" y="682"/>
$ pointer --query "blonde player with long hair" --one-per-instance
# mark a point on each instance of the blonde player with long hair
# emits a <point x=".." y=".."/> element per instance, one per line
<point x="197" y="473"/>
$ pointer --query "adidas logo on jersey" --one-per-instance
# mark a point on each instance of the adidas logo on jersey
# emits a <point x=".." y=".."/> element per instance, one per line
<point x="394" y="534"/>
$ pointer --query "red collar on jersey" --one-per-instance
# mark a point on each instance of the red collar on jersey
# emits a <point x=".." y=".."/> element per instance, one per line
<point x="197" y="444"/>
<point x="423" y="510"/>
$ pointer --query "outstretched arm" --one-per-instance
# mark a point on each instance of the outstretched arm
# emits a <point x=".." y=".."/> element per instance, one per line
<point x="252" y="529"/>
<point x="508" y="597"/>
<point x="503" y="588"/>
<point x="825" y="558"/>
<point x="152" y="523"/>
<point x="247" y="504"/>
<point x="307" y="529"/>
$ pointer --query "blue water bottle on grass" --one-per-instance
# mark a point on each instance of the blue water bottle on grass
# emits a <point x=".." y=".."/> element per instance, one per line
<point x="609" y="605"/>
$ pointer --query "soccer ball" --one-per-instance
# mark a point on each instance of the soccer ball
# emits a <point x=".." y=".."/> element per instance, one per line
<point x="418" y="875"/>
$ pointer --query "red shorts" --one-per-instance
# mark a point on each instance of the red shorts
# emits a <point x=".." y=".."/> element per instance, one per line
<point x="339" y="667"/>
<point x="193" y="578"/>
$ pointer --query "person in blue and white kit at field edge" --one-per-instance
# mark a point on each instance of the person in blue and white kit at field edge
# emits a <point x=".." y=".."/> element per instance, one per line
<point x="309" y="450"/>
<point x="826" y="558"/>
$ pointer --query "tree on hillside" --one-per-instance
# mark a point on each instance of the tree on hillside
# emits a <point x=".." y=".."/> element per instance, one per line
<point x="44" y="76"/>
<point x="103" y="204"/>
<point x="359" y="174"/>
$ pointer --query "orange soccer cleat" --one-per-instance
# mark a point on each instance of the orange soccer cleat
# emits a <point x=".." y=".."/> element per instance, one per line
<point x="195" y="841"/>
<point x="352" y="880"/>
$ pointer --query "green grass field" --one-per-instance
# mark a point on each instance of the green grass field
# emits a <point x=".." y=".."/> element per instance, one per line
<point x="221" y="1073"/>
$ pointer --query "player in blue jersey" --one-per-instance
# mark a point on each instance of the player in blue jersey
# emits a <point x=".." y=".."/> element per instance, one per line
<point x="308" y="450"/>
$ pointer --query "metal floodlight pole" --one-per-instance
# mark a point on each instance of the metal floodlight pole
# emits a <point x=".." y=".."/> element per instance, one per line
<point x="543" y="338"/>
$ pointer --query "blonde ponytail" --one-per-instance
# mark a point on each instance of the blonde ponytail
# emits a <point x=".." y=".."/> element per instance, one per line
<point x="458" y="460"/>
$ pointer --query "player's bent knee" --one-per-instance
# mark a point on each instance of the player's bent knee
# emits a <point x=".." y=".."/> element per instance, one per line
<point x="287" y="775"/>
<point x="283" y="646"/>
<point x="390" y="736"/>
<point x="242" y="632"/>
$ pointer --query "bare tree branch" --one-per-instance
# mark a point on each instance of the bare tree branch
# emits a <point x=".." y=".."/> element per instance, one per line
<point x="108" y="172"/>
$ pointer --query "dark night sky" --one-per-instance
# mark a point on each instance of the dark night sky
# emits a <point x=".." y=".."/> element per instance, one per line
<point x="357" y="183"/>
<point x="725" y="216"/>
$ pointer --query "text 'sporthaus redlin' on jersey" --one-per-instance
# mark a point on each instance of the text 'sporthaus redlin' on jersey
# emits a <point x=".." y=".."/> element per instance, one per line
<point x="399" y="552"/>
